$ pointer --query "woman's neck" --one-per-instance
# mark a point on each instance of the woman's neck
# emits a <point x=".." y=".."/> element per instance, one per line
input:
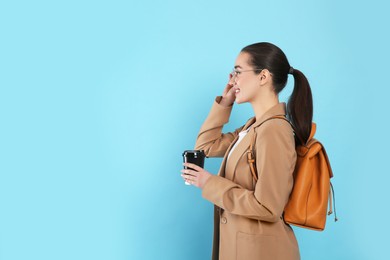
<point x="262" y="105"/>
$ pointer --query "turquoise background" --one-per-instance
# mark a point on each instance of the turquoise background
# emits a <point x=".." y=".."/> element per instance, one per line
<point x="98" y="99"/>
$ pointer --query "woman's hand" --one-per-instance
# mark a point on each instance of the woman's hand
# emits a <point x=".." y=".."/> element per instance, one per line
<point x="228" y="95"/>
<point x="197" y="177"/>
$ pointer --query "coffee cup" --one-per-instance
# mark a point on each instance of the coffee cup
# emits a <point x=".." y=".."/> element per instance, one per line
<point x="195" y="157"/>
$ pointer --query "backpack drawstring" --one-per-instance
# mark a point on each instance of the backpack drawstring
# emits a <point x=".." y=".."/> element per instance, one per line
<point x="332" y="205"/>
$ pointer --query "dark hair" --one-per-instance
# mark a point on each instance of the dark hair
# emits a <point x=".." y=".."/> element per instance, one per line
<point x="266" y="55"/>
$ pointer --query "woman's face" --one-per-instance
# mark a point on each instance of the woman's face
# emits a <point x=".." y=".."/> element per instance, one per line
<point x="246" y="81"/>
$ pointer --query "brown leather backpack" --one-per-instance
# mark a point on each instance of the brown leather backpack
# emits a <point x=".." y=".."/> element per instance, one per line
<point x="308" y="202"/>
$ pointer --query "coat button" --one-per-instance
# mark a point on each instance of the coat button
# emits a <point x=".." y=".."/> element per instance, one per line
<point x="223" y="220"/>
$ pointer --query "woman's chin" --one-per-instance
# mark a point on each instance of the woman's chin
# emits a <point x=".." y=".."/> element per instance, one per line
<point x="238" y="101"/>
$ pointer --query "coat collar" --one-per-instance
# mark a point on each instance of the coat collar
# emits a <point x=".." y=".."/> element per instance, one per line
<point x="277" y="110"/>
<point x="231" y="164"/>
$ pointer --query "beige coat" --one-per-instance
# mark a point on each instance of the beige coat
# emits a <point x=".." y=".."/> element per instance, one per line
<point x="247" y="217"/>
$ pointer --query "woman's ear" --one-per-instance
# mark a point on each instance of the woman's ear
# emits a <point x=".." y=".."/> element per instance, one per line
<point x="264" y="77"/>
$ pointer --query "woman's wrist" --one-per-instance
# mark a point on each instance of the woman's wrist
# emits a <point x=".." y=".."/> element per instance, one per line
<point x="225" y="103"/>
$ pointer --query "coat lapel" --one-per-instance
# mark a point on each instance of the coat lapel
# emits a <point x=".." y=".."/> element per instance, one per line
<point x="222" y="170"/>
<point x="229" y="167"/>
<point x="238" y="152"/>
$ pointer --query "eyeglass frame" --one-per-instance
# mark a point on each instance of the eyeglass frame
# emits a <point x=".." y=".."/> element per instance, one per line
<point x="236" y="72"/>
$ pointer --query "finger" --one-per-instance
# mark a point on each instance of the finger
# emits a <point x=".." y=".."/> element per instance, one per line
<point x="188" y="178"/>
<point x="193" y="166"/>
<point x="227" y="88"/>
<point x="189" y="172"/>
<point x="186" y="181"/>
<point x="232" y="91"/>
<point x="231" y="82"/>
<point x="193" y="182"/>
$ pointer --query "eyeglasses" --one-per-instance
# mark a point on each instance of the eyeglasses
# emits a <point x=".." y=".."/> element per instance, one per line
<point x="236" y="72"/>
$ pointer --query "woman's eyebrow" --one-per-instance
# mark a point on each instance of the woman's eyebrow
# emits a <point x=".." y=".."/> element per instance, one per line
<point x="237" y="66"/>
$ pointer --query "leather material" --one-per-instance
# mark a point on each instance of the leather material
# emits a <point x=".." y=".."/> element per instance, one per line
<point x="308" y="202"/>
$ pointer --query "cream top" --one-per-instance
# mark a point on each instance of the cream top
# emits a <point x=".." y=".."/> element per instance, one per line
<point x="241" y="136"/>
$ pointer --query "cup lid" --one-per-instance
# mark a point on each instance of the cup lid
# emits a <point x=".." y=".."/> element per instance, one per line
<point x="195" y="152"/>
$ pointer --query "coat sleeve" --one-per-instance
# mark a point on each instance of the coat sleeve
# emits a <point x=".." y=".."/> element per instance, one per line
<point x="275" y="162"/>
<point x="210" y="137"/>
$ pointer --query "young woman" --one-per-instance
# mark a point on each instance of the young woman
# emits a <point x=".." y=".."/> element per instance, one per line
<point x="248" y="213"/>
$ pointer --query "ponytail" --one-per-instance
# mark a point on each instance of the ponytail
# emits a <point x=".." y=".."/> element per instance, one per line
<point x="300" y="107"/>
<point x="265" y="55"/>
